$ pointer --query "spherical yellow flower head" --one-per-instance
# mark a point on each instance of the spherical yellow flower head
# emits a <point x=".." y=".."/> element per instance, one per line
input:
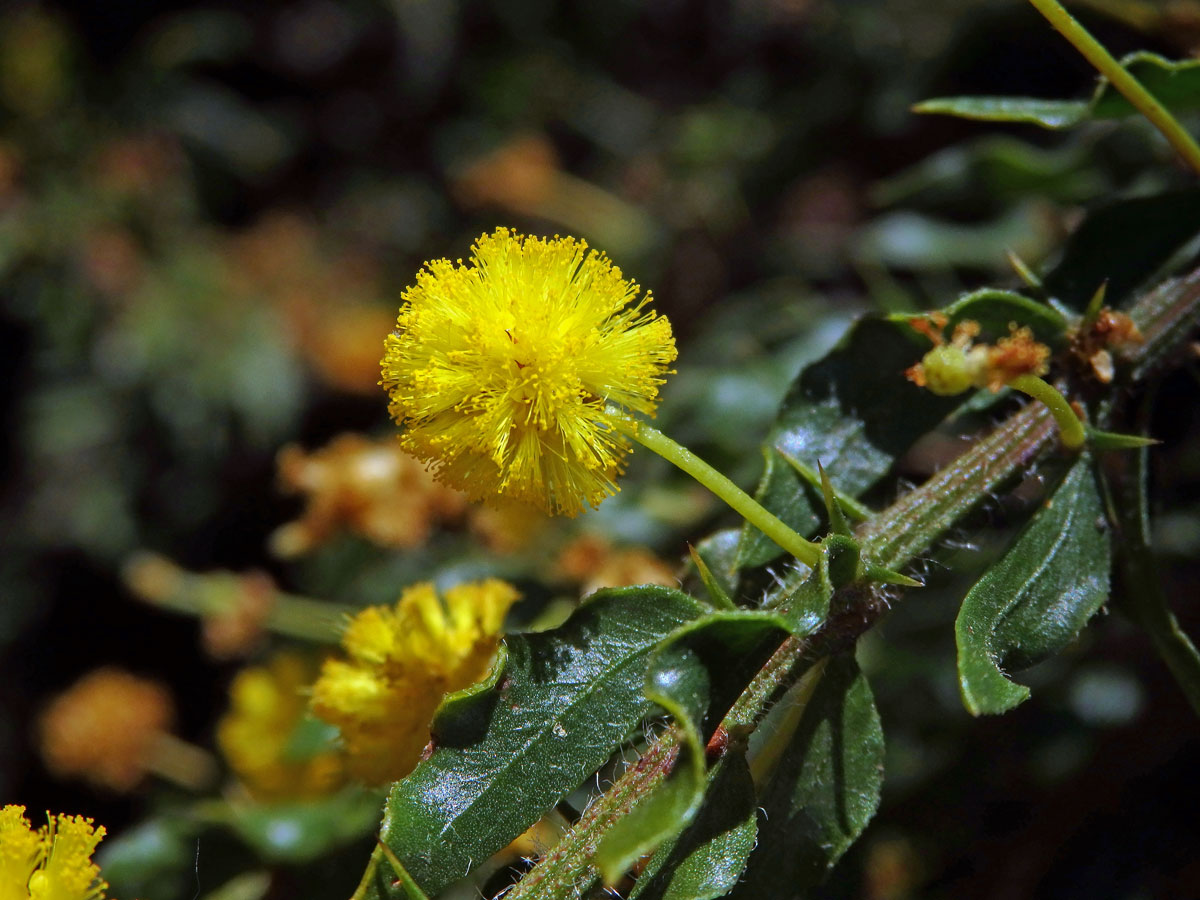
<point x="403" y="659"/>
<point x="501" y="368"/>
<point x="52" y="863"/>
<point x="267" y="706"/>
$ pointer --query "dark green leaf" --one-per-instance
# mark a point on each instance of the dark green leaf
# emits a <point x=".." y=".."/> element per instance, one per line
<point x="994" y="310"/>
<point x="1038" y="596"/>
<point x="707" y="859"/>
<point x="678" y="682"/>
<point x="855" y="412"/>
<point x="824" y="789"/>
<point x="686" y="675"/>
<point x="1176" y="84"/>
<point x="508" y="752"/>
<point x="1125" y="243"/>
<point x="806" y="607"/>
<point x="1001" y="169"/>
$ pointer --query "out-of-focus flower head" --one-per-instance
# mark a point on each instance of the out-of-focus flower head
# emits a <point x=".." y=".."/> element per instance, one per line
<point x="328" y="300"/>
<point x="402" y="661"/>
<point x="52" y="863"/>
<point x="372" y="488"/>
<point x="262" y="734"/>
<point x="520" y="175"/>
<point x="106" y="728"/>
<point x="595" y="563"/>
<point x="233" y="607"/>
<point x="502" y="369"/>
<point x="506" y="526"/>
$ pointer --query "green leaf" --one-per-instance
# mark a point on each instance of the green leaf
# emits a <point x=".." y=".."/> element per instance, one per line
<point x="707" y="859"/>
<point x="1030" y="110"/>
<point x="558" y="706"/>
<point x="153" y="855"/>
<point x="855" y="412"/>
<point x="805" y="607"/>
<point x="995" y="309"/>
<point x="688" y="673"/>
<point x="1038" y="596"/>
<point x="1176" y="84"/>
<point x="824" y="790"/>
<point x="304" y="831"/>
<point x="1123" y="243"/>
<point x="996" y="169"/>
<point x="678" y="682"/>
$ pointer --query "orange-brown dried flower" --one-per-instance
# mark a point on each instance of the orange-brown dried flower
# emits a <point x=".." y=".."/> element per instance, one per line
<point x="593" y="562"/>
<point x="372" y="488"/>
<point x="234" y="608"/>
<point x="951" y="368"/>
<point x="1111" y="330"/>
<point x="105" y="728"/>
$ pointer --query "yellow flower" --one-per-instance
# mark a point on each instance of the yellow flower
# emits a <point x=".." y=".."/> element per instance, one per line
<point x="52" y="863"/>
<point x="268" y="704"/>
<point x="501" y="369"/>
<point x="403" y="659"/>
<point x="20" y="850"/>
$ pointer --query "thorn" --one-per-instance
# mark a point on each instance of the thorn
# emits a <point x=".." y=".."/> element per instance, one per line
<point x="888" y="576"/>
<point x="1111" y="440"/>
<point x="1023" y="271"/>
<point x="1095" y="305"/>
<point x="837" y="521"/>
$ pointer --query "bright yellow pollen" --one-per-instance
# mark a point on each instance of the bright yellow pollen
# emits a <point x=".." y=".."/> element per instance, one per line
<point x="500" y="369"/>
<point x="403" y="659"/>
<point x="52" y="863"/>
<point x="20" y="848"/>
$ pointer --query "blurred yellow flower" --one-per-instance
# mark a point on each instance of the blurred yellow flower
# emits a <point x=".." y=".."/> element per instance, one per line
<point x="106" y="728"/>
<point x="268" y="708"/>
<point x="501" y="369"/>
<point x="52" y="863"/>
<point x="403" y="659"/>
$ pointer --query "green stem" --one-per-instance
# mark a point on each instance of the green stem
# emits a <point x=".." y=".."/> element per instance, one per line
<point x="1144" y="599"/>
<point x="1070" y="429"/>
<point x="1119" y="77"/>
<point x="745" y="505"/>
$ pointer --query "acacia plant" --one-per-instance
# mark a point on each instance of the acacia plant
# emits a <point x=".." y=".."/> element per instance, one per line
<point x="740" y="739"/>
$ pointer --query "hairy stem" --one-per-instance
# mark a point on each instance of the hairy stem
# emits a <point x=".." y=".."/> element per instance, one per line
<point x="893" y="538"/>
<point x="1132" y="89"/>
